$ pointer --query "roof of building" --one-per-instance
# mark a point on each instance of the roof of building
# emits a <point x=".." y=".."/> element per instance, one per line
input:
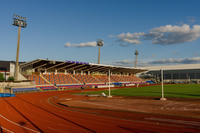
<point x="173" y="67"/>
<point x="40" y="65"/>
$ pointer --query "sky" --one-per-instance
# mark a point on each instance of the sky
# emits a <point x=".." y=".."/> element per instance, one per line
<point x="165" y="32"/>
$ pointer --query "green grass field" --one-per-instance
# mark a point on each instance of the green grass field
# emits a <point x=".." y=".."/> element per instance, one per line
<point x="174" y="90"/>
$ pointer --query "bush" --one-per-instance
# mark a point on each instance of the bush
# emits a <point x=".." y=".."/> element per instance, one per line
<point x="11" y="79"/>
<point x="2" y="77"/>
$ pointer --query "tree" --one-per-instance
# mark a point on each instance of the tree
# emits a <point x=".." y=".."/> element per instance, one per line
<point x="2" y="77"/>
<point x="10" y="78"/>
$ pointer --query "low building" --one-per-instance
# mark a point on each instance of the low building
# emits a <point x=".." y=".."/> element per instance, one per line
<point x="176" y="73"/>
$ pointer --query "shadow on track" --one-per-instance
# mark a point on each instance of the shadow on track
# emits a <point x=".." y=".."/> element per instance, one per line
<point x="1" y="130"/>
<point x="57" y="115"/>
<point x="23" y="116"/>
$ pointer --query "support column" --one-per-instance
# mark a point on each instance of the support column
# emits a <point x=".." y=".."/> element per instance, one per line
<point x="99" y="55"/>
<point x="56" y="71"/>
<point x="17" y="56"/>
<point x="109" y="95"/>
<point x="74" y="72"/>
<point x="45" y="71"/>
<point x="162" y="98"/>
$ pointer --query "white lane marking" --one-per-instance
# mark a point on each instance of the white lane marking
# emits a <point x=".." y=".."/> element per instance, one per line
<point x="110" y="106"/>
<point x="7" y="130"/>
<point x="18" y="124"/>
<point x="68" y="99"/>
<point x="52" y="128"/>
<point x="193" y="123"/>
<point x="97" y="104"/>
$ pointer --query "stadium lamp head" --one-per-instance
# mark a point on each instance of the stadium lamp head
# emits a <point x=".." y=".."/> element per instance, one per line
<point x="136" y="52"/>
<point x="100" y="43"/>
<point x="19" y="21"/>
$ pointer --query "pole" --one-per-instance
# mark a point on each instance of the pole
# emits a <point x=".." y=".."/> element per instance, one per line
<point x="135" y="61"/>
<point x="162" y="83"/>
<point x="4" y="87"/>
<point x="162" y="98"/>
<point x="99" y="55"/>
<point x="136" y="56"/>
<point x="5" y="74"/>
<point x="109" y="83"/>
<point x="17" y="55"/>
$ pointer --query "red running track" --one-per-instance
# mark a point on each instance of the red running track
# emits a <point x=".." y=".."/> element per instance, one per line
<point x="38" y="112"/>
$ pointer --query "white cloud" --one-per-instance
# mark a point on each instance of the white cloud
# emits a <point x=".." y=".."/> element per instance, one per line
<point x="174" y="34"/>
<point x="170" y="61"/>
<point x="123" y="63"/>
<point x="130" y="37"/>
<point x="191" y="19"/>
<point x="163" y="35"/>
<point x="87" y="44"/>
<point x="193" y="60"/>
<point x="67" y="44"/>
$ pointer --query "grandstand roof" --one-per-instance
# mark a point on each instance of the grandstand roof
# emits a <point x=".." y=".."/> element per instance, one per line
<point x="40" y="65"/>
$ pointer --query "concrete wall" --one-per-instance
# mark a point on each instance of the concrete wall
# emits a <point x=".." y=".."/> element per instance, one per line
<point x="12" y="69"/>
<point x="14" y="84"/>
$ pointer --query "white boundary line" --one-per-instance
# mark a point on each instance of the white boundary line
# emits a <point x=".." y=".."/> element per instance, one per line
<point x="193" y="123"/>
<point x="7" y="130"/>
<point x="18" y="124"/>
<point x="112" y="107"/>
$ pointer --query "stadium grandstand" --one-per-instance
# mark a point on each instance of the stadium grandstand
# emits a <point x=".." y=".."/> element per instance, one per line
<point x="74" y="73"/>
<point x="44" y="74"/>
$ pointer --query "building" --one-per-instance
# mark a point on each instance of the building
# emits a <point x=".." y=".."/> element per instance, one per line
<point x="176" y="73"/>
<point x="7" y="68"/>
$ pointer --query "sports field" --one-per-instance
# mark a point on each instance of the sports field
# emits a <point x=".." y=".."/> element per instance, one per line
<point x="170" y="90"/>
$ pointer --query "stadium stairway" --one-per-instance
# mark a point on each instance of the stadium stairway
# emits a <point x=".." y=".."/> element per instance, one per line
<point x="52" y="86"/>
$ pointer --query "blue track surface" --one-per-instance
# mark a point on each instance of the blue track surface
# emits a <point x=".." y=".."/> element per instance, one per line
<point x="7" y="95"/>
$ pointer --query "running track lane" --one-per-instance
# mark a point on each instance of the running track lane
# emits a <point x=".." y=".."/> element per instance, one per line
<point x="36" y="113"/>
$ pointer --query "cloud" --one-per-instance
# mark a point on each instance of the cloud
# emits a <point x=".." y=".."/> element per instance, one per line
<point x="163" y="35"/>
<point x="193" y="60"/>
<point x="87" y="44"/>
<point x="170" y="61"/>
<point x="130" y="37"/>
<point x="123" y="63"/>
<point x="191" y="19"/>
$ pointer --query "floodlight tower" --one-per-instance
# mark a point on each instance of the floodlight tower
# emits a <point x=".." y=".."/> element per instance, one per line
<point x="99" y="44"/>
<point x="20" y="22"/>
<point x="136" y="57"/>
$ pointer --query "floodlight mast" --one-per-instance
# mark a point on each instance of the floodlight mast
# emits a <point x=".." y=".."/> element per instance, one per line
<point x="20" y="22"/>
<point x="136" y="57"/>
<point x="99" y="44"/>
